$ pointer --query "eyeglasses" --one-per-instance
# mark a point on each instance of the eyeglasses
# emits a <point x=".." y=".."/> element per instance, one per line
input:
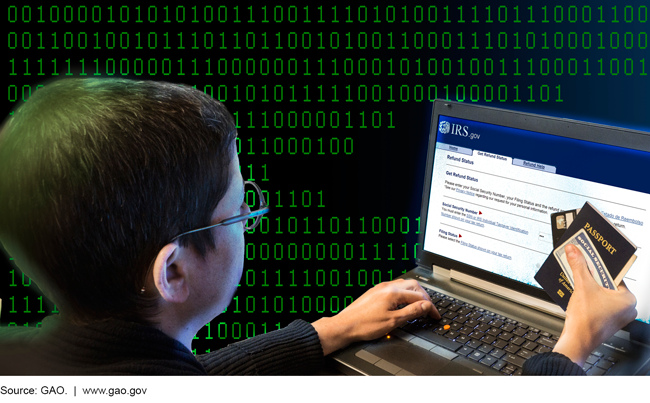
<point x="257" y="212"/>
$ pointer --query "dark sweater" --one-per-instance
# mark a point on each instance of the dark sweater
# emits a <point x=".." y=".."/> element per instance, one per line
<point x="551" y="364"/>
<point x="123" y="348"/>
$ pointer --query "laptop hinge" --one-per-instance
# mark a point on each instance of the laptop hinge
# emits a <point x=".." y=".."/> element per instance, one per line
<point x="441" y="271"/>
<point x="507" y="293"/>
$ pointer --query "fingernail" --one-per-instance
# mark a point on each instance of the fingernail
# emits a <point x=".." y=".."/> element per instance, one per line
<point x="570" y="250"/>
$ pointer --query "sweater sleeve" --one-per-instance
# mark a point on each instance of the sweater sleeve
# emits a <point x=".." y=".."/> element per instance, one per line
<point x="551" y="364"/>
<point x="293" y="350"/>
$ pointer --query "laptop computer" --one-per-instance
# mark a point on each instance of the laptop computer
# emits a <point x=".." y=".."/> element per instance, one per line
<point x="493" y="178"/>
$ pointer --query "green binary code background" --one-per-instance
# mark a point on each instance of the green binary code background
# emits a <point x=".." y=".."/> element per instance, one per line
<point x="333" y="107"/>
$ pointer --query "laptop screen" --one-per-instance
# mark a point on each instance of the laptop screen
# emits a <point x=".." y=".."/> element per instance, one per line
<point x="494" y="187"/>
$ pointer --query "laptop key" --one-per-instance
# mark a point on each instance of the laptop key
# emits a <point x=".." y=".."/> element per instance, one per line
<point x="450" y="315"/>
<point x="531" y="336"/>
<point x="500" y="344"/>
<point x="474" y="344"/>
<point x="596" y="371"/>
<point x="523" y="353"/>
<point x="439" y="340"/>
<point x="591" y="359"/>
<point x="505" y="336"/>
<point x="483" y="327"/>
<point x="444" y="303"/>
<point x="461" y="319"/>
<point x="520" y="331"/>
<point x="441" y="330"/>
<point x="547" y="342"/>
<point x="493" y="331"/>
<point x="488" y="339"/>
<point x="497" y="353"/>
<point x="477" y="335"/>
<point x="530" y="345"/>
<point x="472" y="323"/>
<point x="475" y="315"/>
<point x="518" y="372"/>
<point x="466" y="330"/>
<point x="463" y="339"/>
<point x="604" y="364"/>
<point x="587" y="367"/>
<point x="507" y="371"/>
<point x="499" y="365"/>
<point x="489" y="361"/>
<point x="464" y="311"/>
<point x="496" y="323"/>
<point x="542" y="349"/>
<point x="511" y="348"/>
<point x="485" y="348"/>
<point x="518" y="341"/>
<point x="476" y="356"/>
<point x="452" y="334"/>
<point x="508" y="327"/>
<point x="465" y="351"/>
<point x="513" y="359"/>
<point x="455" y="325"/>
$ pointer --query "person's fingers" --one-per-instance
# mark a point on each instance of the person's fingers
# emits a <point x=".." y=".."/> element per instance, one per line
<point x="581" y="275"/>
<point x="412" y="298"/>
<point x="412" y="285"/>
<point x="414" y="310"/>
<point x="434" y="313"/>
<point x="407" y="297"/>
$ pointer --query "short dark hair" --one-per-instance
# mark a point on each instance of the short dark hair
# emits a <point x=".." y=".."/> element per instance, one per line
<point x="97" y="175"/>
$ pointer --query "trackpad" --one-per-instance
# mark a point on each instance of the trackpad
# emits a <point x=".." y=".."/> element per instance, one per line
<point x="415" y="359"/>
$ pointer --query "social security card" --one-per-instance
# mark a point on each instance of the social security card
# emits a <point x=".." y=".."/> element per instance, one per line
<point x="594" y="262"/>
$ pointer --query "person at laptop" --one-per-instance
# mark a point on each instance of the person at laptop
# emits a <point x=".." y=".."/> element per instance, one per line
<point x="123" y="200"/>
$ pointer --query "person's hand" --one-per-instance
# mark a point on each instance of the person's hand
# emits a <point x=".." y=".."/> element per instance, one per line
<point x="594" y="313"/>
<point x="374" y="314"/>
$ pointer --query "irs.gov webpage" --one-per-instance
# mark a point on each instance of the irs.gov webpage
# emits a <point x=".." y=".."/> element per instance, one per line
<point x="494" y="188"/>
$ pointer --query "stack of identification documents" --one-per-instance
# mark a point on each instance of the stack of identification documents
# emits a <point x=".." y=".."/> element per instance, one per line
<point x="608" y="252"/>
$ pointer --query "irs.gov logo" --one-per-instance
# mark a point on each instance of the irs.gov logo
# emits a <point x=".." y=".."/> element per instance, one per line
<point x="444" y="127"/>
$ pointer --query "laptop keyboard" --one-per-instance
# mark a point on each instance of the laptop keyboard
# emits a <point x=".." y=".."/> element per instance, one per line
<point x="493" y="340"/>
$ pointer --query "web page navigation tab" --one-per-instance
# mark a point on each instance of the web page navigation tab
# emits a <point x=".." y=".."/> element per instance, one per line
<point x="455" y="149"/>
<point x="533" y="165"/>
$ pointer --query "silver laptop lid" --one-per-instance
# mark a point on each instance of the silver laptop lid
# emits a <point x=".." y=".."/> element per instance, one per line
<point x="494" y="177"/>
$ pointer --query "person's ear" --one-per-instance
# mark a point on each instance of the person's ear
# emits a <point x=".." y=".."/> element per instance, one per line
<point x="169" y="274"/>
